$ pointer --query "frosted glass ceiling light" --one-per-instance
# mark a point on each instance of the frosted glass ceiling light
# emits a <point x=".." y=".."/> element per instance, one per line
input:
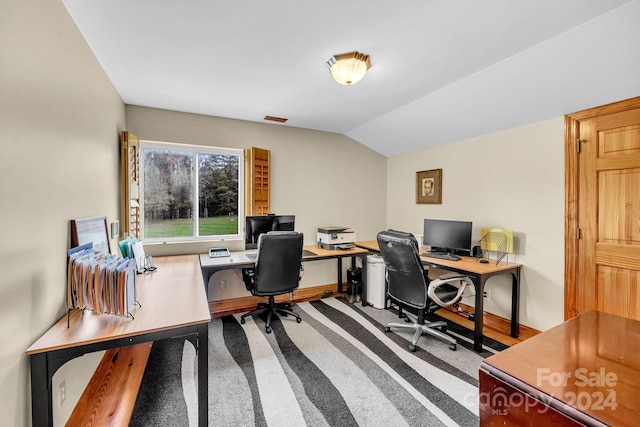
<point x="349" y="68"/>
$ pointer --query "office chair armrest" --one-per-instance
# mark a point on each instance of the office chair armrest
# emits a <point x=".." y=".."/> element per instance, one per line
<point x="459" y="281"/>
<point x="248" y="276"/>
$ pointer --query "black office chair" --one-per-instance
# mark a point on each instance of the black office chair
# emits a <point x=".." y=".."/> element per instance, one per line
<point x="277" y="271"/>
<point x="410" y="287"/>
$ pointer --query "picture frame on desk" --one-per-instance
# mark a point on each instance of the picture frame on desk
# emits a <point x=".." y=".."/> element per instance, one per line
<point x="429" y="187"/>
<point x="91" y="230"/>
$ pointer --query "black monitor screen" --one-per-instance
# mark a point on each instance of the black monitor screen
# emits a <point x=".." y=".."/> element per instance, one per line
<point x="257" y="225"/>
<point x="447" y="236"/>
<point x="285" y="222"/>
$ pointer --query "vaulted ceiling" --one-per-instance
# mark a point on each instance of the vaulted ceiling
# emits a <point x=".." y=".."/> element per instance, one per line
<point x="441" y="70"/>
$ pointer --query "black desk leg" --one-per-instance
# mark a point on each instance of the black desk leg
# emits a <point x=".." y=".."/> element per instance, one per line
<point x="41" y="395"/>
<point x="339" y="275"/>
<point x="203" y="375"/>
<point x="515" y="306"/>
<point x="478" y="315"/>
<point x="363" y="278"/>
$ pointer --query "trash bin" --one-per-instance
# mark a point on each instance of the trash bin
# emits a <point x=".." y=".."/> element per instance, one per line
<point x="376" y="286"/>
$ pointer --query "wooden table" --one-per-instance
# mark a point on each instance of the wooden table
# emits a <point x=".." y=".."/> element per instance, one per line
<point x="585" y="371"/>
<point x="242" y="259"/>
<point x="173" y="304"/>
<point x="479" y="274"/>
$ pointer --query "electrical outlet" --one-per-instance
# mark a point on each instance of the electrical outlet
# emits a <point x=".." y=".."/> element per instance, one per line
<point x="115" y="229"/>
<point x="62" y="393"/>
<point x="487" y="295"/>
<point x="223" y="284"/>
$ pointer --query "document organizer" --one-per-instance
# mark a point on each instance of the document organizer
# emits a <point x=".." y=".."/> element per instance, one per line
<point x="497" y="240"/>
<point x="100" y="282"/>
<point x="132" y="247"/>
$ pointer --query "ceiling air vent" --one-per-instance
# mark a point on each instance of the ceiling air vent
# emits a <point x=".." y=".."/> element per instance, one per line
<point x="275" y="119"/>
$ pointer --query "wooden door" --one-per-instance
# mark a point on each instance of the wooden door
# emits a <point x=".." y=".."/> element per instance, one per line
<point x="603" y="210"/>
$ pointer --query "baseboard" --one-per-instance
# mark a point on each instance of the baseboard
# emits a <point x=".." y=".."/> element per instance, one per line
<point x="243" y="304"/>
<point x="492" y="322"/>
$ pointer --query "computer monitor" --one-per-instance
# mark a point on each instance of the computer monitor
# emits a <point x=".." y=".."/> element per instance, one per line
<point x="447" y="236"/>
<point x="259" y="224"/>
<point x="285" y="222"/>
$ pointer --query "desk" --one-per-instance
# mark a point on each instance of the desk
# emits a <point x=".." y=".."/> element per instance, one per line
<point x="173" y="304"/>
<point x="240" y="259"/>
<point x="585" y="371"/>
<point x="479" y="274"/>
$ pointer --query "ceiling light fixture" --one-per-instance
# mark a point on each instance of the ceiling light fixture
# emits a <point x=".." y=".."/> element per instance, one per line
<point x="349" y="68"/>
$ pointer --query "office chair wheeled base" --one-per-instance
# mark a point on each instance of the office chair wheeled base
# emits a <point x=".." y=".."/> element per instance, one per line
<point x="270" y="308"/>
<point x="435" y="329"/>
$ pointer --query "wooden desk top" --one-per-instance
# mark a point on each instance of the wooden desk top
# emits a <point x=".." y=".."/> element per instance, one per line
<point x="471" y="265"/>
<point x="321" y="253"/>
<point x="239" y="258"/>
<point x="589" y="362"/>
<point x="466" y="263"/>
<point x="172" y="296"/>
<point x="372" y="245"/>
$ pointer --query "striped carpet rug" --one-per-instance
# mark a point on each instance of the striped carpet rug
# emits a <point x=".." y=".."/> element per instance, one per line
<point x="336" y="368"/>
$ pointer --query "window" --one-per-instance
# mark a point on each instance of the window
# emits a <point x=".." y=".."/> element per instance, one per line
<point x="190" y="192"/>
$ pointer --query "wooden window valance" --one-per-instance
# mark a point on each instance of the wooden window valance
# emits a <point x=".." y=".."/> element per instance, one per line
<point x="130" y="184"/>
<point x="257" y="181"/>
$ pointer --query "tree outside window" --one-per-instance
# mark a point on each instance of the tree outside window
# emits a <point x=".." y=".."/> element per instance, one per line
<point x="190" y="192"/>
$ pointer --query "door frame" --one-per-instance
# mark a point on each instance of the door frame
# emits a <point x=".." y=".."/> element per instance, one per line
<point x="571" y="185"/>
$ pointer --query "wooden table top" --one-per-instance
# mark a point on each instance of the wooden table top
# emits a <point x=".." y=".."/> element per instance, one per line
<point x="472" y="265"/>
<point x="466" y="263"/>
<point x="372" y="245"/>
<point x="591" y="362"/>
<point x="170" y="297"/>
<point x="330" y="253"/>
<point x="311" y="253"/>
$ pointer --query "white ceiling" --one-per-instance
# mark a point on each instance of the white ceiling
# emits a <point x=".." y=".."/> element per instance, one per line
<point x="441" y="70"/>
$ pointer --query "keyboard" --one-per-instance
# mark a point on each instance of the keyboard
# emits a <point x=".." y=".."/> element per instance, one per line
<point x="442" y="255"/>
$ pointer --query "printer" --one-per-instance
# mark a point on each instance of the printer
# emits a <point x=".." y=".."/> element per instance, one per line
<point x="336" y="238"/>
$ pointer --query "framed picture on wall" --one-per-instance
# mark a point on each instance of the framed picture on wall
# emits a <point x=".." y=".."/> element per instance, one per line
<point x="429" y="187"/>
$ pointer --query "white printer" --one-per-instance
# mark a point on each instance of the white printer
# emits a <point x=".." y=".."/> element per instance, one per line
<point x="336" y="238"/>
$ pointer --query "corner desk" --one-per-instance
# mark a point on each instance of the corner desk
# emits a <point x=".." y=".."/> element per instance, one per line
<point x="244" y="259"/>
<point x="172" y="304"/>
<point x="479" y="274"/>
<point x="585" y="371"/>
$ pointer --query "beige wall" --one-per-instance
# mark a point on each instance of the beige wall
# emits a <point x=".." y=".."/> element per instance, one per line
<point x="512" y="179"/>
<point x="322" y="178"/>
<point x="59" y="123"/>
<point x="503" y="190"/>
